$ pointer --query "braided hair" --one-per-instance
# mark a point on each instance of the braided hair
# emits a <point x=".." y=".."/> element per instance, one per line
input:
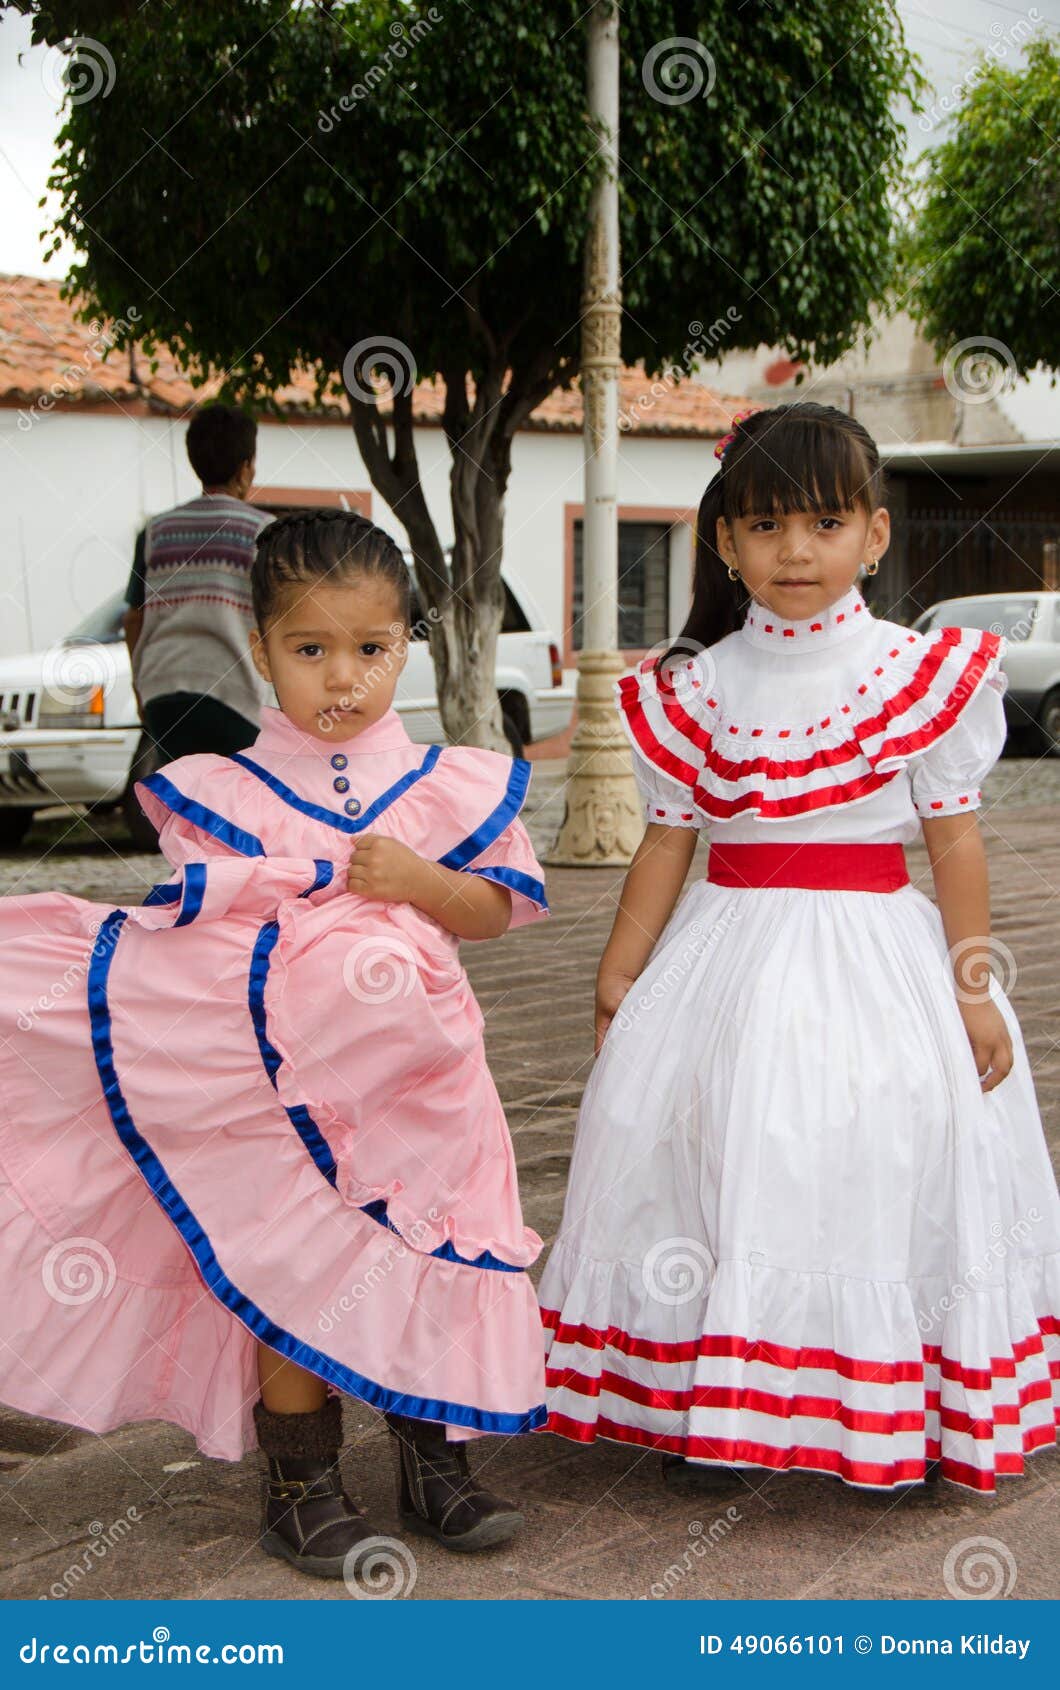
<point x="323" y="545"/>
<point x="797" y="457"/>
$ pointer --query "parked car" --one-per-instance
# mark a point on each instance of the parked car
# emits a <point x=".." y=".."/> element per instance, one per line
<point x="1030" y="623"/>
<point x="70" y="732"/>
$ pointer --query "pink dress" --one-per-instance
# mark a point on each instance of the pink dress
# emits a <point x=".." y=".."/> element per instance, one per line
<point x="258" y="1107"/>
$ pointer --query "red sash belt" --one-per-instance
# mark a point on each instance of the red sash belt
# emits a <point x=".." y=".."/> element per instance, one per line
<point x="817" y="868"/>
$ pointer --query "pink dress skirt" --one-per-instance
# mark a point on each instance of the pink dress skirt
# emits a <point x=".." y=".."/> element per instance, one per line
<point x="257" y="1107"/>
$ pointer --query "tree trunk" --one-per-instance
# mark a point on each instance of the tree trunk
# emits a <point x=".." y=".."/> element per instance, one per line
<point x="463" y="601"/>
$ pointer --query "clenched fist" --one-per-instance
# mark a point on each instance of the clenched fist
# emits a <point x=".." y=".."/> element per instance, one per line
<point x="384" y="868"/>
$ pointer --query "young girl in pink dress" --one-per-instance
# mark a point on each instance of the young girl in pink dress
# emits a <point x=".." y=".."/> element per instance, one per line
<point x="811" y="1219"/>
<point x="251" y="1156"/>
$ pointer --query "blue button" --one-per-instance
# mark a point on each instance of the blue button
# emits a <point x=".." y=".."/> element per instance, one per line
<point x="352" y="806"/>
<point x="339" y="760"/>
<point x="341" y="784"/>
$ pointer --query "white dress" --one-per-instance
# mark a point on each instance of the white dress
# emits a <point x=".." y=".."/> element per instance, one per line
<point x="797" y="1233"/>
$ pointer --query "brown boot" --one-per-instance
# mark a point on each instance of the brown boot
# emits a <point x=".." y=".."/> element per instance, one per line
<point x="437" y="1495"/>
<point x="308" y="1518"/>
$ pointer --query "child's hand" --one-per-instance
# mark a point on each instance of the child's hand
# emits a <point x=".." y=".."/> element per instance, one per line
<point x="611" y="987"/>
<point x="989" y="1038"/>
<point x="384" y="868"/>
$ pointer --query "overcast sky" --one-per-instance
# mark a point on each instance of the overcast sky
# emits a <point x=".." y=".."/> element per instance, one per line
<point x="946" y="34"/>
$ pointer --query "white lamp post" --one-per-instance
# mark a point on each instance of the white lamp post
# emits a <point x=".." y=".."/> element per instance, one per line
<point x="603" y="823"/>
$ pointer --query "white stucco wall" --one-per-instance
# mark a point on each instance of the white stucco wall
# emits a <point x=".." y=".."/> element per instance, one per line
<point x="75" y="488"/>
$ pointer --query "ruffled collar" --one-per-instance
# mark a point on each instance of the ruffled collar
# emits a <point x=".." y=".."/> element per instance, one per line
<point x="279" y="733"/>
<point x="762" y="627"/>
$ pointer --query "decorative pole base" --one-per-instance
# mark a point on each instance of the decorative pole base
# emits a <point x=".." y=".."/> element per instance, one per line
<point x="604" y="819"/>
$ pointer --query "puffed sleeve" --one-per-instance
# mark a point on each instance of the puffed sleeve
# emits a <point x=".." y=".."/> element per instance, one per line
<point x="475" y="814"/>
<point x="511" y="861"/>
<point x="660" y="720"/>
<point x="203" y="806"/>
<point x="946" y="778"/>
<point x="665" y="802"/>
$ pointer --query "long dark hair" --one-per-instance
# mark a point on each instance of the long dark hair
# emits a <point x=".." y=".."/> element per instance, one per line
<point x="797" y="457"/>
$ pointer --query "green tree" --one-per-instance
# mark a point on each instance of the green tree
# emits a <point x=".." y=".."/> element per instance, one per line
<point x="983" y="258"/>
<point x="273" y="185"/>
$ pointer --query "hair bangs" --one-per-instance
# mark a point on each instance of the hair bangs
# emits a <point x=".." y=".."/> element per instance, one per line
<point x="794" y="463"/>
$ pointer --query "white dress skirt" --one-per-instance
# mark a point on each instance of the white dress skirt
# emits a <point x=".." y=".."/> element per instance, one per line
<point x="797" y="1233"/>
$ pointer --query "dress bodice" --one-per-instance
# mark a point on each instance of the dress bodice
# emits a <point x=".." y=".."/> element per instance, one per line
<point x="837" y="727"/>
<point x="294" y="795"/>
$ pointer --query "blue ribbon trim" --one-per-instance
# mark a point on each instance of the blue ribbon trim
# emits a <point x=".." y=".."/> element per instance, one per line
<point x="254" y="1319"/>
<point x="324" y="876"/>
<point x="516" y="881"/>
<point x="247" y="844"/>
<point x="307" y="1129"/>
<point x="496" y="822"/>
<point x="163" y="893"/>
<point x="332" y="818"/>
<point x="298" y="1115"/>
<point x="446" y="1252"/>
<point x="194" y="892"/>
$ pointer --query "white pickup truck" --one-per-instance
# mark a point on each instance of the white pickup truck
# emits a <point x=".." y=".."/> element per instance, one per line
<point x="70" y="733"/>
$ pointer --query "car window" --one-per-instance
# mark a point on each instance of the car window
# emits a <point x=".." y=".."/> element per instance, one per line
<point x="1014" y="618"/>
<point x="103" y="625"/>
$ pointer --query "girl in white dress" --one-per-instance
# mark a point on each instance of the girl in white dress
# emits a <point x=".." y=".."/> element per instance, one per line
<point x="811" y="1220"/>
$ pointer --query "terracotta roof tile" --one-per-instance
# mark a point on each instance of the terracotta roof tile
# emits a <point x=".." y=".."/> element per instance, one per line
<point x="44" y="349"/>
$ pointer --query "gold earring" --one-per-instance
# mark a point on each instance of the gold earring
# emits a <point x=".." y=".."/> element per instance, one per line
<point x="734" y="574"/>
<point x="871" y="565"/>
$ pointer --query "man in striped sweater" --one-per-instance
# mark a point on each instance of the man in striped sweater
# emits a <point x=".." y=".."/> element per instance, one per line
<point x="189" y="614"/>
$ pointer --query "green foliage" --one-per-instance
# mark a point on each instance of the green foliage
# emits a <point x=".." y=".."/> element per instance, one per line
<point x="222" y="189"/>
<point x="983" y="256"/>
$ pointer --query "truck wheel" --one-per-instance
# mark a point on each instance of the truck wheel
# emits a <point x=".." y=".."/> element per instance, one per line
<point x="142" y="832"/>
<point x="14" y="825"/>
<point x="1049" y="722"/>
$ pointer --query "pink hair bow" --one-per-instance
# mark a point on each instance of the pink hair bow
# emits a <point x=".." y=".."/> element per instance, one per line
<point x="741" y="416"/>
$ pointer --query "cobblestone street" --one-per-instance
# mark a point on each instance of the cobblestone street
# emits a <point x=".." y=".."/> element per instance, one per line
<point x="599" y="1522"/>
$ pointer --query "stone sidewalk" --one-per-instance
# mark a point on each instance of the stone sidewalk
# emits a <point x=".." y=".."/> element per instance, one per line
<point x="599" y="1523"/>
